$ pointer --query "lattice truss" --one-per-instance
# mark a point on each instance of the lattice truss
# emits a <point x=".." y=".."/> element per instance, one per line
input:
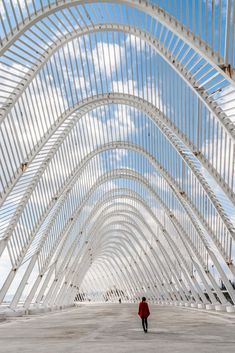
<point x="117" y="151"/>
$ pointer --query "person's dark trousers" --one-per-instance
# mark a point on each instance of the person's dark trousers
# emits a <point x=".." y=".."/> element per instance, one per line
<point x="145" y="324"/>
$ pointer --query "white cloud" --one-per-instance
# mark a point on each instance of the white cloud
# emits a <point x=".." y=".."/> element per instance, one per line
<point x="14" y="4"/>
<point x="134" y="42"/>
<point x="7" y="74"/>
<point x="110" y="60"/>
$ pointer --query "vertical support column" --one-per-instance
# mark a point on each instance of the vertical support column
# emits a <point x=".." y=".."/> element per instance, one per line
<point x="46" y="281"/>
<point x="7" y="284"/>
<point x="227" y="33"/>
<point x="23" y="282"/>
<point x="31" y="294"/>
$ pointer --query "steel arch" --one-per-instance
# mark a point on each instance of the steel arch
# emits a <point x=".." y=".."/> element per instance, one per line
<point x="46" y="233"/>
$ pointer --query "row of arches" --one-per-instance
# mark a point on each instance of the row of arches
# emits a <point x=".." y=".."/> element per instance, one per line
<point x="119" y="104"/>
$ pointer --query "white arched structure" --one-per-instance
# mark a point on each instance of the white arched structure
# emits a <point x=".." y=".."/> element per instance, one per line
<point x="117" y="152"/>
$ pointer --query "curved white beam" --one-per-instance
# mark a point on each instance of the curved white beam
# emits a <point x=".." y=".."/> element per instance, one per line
<point x="185" y="203"/>
<point x="184" y="33"/>
<point x="185" y="157"/>
<point x="130" y="195"/>
<point x="148" y="38"/>
<point x="170" y="241"/>
<point x="173" y="245"/>
<point x="129" y="223"/>
<point x="217" y="265"/>
<point x="160" y="120"/>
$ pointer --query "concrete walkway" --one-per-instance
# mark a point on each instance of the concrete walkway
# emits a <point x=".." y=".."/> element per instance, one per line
<point x="115" y="328"/>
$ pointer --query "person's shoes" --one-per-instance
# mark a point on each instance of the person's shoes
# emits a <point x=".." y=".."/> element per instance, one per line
<point x="145" y="331"/>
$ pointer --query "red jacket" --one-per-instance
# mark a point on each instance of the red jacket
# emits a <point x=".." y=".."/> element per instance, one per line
<point x="143" y="310"/>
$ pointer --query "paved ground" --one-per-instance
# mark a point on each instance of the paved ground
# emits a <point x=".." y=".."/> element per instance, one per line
<point x="115" y="328"/>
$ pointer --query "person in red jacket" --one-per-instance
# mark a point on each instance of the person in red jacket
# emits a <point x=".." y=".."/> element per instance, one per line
<point x="144" y="313"/>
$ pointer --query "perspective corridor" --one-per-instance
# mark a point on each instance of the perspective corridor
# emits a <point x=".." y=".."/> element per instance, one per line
<point x="117" y="152"/>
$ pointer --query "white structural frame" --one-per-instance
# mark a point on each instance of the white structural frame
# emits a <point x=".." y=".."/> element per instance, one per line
<point x="121" y="178"/>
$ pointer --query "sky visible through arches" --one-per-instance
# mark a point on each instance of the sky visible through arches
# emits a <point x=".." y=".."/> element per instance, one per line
<point x="103" y="62"/>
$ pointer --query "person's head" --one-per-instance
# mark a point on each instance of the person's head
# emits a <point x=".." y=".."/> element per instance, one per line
<point x="143" y="299"/>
